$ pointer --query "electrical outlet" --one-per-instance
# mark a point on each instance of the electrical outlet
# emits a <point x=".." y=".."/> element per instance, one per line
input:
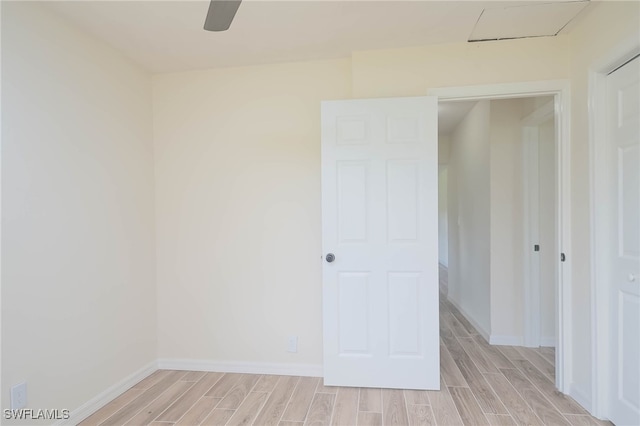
<point x="19" y="396"/>
<point x="292" y="344"/>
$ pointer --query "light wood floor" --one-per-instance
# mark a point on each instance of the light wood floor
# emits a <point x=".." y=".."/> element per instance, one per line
<point x="480" y="385"/>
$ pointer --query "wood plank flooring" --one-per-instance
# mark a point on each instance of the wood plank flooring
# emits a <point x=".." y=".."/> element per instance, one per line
<point x="480" y="385"/>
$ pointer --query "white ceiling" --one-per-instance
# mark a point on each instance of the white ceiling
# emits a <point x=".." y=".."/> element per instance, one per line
<point x="165" y="36"/>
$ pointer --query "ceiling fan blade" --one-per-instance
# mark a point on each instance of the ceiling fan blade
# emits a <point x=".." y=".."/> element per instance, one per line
<point x="220" y="14"/>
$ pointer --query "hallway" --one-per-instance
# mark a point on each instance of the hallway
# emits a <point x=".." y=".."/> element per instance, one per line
<point x="501" y="385"/>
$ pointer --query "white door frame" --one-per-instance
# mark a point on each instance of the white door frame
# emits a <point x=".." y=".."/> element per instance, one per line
<point x="560" y="90"/>
<point x="530" y="194"/>
<point x="600" y="215"/>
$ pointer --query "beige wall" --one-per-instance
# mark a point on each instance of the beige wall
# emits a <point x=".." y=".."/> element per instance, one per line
<point x="238" y="210"/>
<point x="78" y="284"/>
<point x="469" y="216"/>
<point x="604" y="30"/>
<point x="412" y="71"/>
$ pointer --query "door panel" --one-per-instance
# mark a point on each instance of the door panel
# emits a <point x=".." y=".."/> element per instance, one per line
<point x="404" y="314"/>
<point x="402" y="200"/>
<point x="628" y="349"/>
<point x="629" y="202"/>
<point x="624" y="128"/>
<point x="380" y="219"/>
<point x="352" y="201"/>
<point x="353" y="313"/>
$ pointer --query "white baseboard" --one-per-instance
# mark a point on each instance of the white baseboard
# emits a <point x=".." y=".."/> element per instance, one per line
<point x="506" y="340"/>
<point x="548" y="342"/>
<point x="469" y="318"/>
<point x="310" y="370"/>
<point x="580" y="396"/>
<point x="100" y="400"/>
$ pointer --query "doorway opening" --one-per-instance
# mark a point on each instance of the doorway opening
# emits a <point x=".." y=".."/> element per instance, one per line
<point x="514" y="139"/>
<point x="483" y="209"/>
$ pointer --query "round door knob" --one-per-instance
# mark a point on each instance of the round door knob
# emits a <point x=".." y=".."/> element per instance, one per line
<point x="631" y="278"/>
<point x="330" y="257"/>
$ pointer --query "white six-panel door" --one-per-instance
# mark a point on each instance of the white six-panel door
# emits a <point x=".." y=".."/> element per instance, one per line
<point x="624" y="123"/>
<point x="380" y="221"/>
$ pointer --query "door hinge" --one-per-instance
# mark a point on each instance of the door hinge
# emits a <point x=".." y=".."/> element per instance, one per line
<point x="536" y="247"/>
<point x="562" y="257"/>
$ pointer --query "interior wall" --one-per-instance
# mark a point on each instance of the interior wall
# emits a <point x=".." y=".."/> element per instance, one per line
<point x="507" y="233"/>
<point x="78" y="284"/>
<point x="547" y="229"/>
<point x="610" y="26"/>
<point x="443" y="148"/>
<point x="469" y="216"/>
<point x="238" y="210"/>
<point x="443" y="222"/>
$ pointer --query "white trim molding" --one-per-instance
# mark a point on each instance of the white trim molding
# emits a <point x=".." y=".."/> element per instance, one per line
<point x="100" y="400"/>
<point x="548" y="342"/>
<point x="600" y="216"/>
<point x="580" y="396"/>
<point x="108" y="395"/>
<point x="505" y="340"/>
<point x="500" y="91"/>
<point x="484" y="333"/>
<point x="560" y="90"/>
<point x="309" y="370"/>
